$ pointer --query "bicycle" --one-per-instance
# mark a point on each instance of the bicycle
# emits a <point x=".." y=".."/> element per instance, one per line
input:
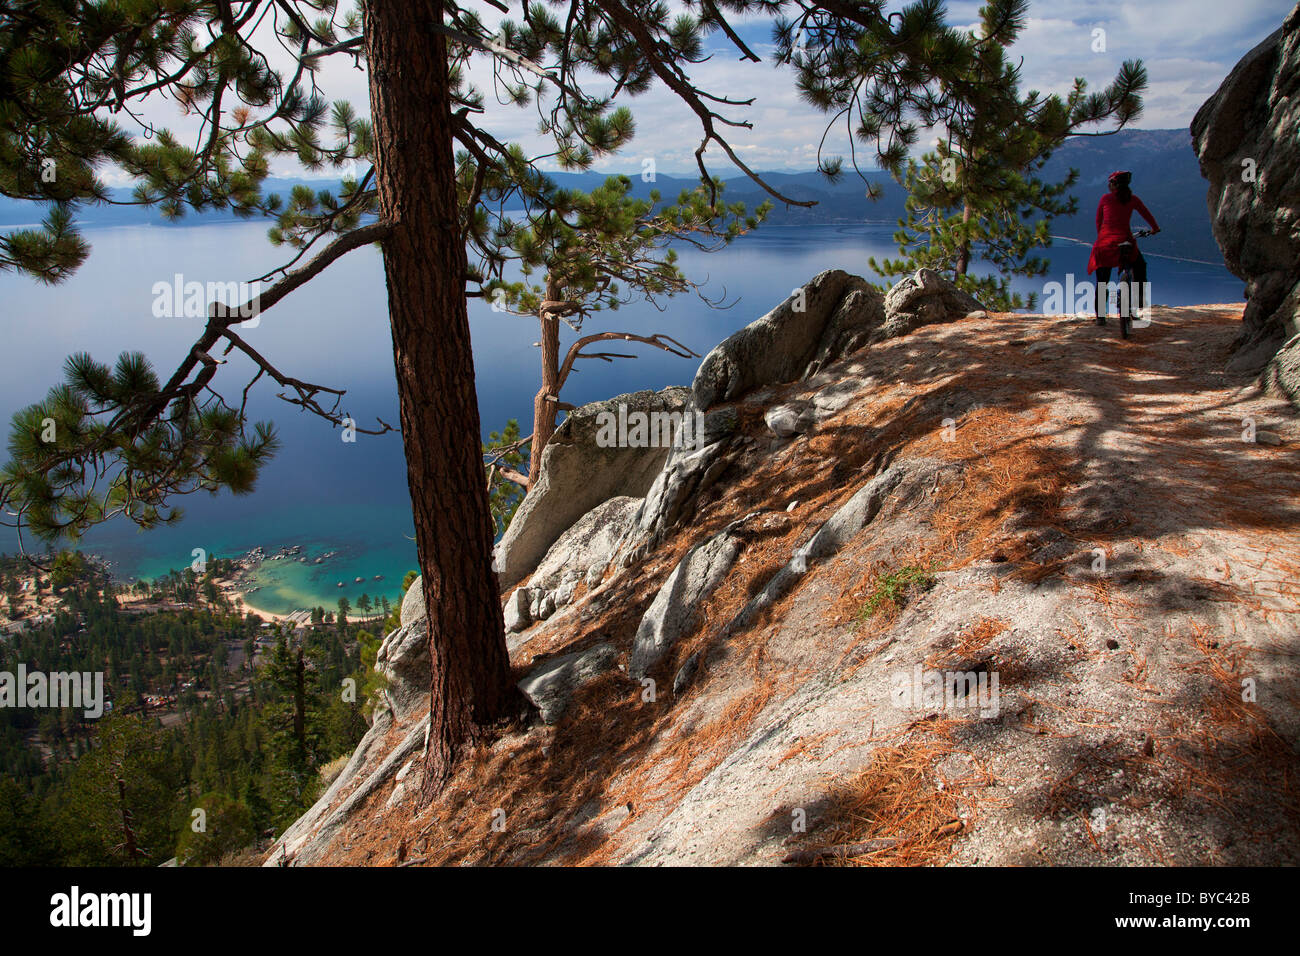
<point x="1125" y="297"/>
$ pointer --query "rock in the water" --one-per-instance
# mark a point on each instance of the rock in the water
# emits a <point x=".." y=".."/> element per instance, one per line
<point x="827" y="318"/>
<point x="551" y="686"/>
<point x="578" y="474"/>
<point x="1245" y="138"/>
<point x="403" y="660"/>
<point x="923" y="298"/>
<point x="673" y="611"/>
<point x="517" y="613"/>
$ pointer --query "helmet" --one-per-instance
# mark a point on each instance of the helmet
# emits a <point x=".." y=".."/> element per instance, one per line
<point x="1121" y="177"/>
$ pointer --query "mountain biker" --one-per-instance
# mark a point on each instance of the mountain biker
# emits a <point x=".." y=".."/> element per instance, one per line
<point x="1113" y="214"/>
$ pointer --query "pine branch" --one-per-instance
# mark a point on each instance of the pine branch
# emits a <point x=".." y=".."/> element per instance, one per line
<point x="660" y="341"/>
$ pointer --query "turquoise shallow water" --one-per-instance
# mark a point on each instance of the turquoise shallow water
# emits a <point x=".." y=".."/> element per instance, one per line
<point x="364" y="545"/>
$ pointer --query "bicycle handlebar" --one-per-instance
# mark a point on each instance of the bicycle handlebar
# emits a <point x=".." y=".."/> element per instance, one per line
<point x="1143" y="233"/>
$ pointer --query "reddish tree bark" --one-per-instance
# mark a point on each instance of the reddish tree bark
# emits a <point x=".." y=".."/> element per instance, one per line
<point x="128" y="832"/>
<point x="424" y="267"/>
<point x="546" y="404"/>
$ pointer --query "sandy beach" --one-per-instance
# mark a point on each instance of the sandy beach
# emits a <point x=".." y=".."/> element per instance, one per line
<point x="300" y="616"/>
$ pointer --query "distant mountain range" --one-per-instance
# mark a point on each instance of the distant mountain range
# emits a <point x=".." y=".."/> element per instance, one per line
<point x="1165" y="175"/>
<point x="1164" y="167"/>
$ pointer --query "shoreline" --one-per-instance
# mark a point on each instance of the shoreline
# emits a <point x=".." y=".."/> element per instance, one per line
<point x="246" y="581"/>
<point x="265" y="615"/>
<point x="302" y="614"/>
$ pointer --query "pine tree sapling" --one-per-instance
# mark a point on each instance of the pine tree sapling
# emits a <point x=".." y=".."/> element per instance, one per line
<point x="596" y="251"/>
<point x="977" y="195"/>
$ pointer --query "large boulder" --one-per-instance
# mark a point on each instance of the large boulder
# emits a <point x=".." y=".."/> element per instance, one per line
<point x="793" y="418"/>
<point x="589" y="542"/>
<point x="403" y="660"/>
<point x="827" y="318"/>
<point x="551" y="685"/>
<point x="832" y="316"/>
<point x="403" y="657"/>
<point x="582" y="553"/>
<point x="923" y="298"/>
<point x="578" y="474"/>
<point x="674" y="610"/>
<point x="671" y="498"/>
<point x="1283" y="372"/>
<point x="1246" y="138"/>
<point x="413" y="610"/>
<point x="517" y="612"/>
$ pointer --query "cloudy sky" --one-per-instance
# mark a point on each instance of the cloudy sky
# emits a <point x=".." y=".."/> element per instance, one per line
<point x="1188" y="47"/>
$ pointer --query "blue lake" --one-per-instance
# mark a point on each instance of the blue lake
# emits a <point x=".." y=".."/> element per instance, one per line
<point x="327" y="494"/>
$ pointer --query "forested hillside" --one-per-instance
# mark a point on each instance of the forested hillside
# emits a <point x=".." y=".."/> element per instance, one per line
<point x="204" y="709"/>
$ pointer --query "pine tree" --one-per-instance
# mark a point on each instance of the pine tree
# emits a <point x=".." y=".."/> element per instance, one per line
<point x="122" y="798"/>
<point x="596" y="251"/>
<point x="503" y="454"/>
<point x="292" y="716"/>
<point x="227" y="826"/>
<point x="24" y="840"/>
<point x="977" y="196"/>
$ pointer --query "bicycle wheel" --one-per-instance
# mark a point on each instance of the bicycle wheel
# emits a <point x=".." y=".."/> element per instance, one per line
<point x="1124" y="304"/>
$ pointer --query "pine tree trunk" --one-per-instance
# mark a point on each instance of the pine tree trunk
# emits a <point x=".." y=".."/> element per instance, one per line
<point x="300" y="706"/>
<point x="128" y="832"/>
<point x="963" y="251"/>
<point x="424" y="266"/>
<point x="544" y="410"/>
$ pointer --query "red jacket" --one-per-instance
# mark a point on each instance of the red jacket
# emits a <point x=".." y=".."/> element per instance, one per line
<point x="1113" y="228"/>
